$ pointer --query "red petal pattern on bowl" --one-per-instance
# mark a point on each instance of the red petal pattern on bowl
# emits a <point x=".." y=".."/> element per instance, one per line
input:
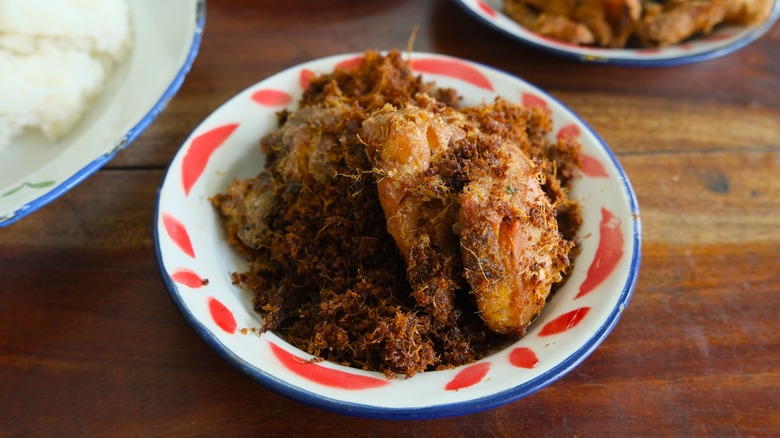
<point x="304" y="79"/>
<point x="523" y="357"/>
<point x="487" y="8"/>
<point x="571" y="131"/>
<point x="592" y="167"/>
<point x="452" y="68"/>
<point x="199" y="152"/>
<point x="178" y="234"/>
<point x="352" y="63"/>
<point x="322" y="375"/>
<point x="608" y="253"/>
<point x="564" y="322"/>
<point x="532" y="101"/>
<point x="222" y="316"/>
<point x="271" y="97"/>
<point x="188" y="278"/>
<point x="469" y="376"/>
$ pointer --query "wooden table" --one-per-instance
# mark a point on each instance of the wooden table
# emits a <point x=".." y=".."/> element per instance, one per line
<point x="91" y="344"/>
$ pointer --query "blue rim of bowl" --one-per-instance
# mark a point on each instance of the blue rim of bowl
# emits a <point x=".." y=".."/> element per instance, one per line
<point x="443" y="410"/>
<point x="132" y="134"/>
<point x="605" y="58"/>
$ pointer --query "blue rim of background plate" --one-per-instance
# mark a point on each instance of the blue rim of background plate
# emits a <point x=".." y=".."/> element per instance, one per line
<point x="749" y="37"/>
<point x="94" y="166"/>
<point x="444" y="410"/>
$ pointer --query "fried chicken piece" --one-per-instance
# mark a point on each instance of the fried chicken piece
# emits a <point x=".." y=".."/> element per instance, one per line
<point x="679" y="20"/>
<point x="611" y="21"/>
<point x="511" y="248"/>
<point x="302" y="149"/>
<point x="748" y="12"/>
<point x="305" y="150"/>
<point x="460" y="188"/>
<point x="404" y="145"/>
<point x="608" y="23"/>
<point x="614" y="23"/>
<point x="564" y="29"/>
<point x="551" y="25"/>
<point x="245" y="207"/>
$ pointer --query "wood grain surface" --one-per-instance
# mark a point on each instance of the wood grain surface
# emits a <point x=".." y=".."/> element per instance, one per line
<point x="91" y="344"/>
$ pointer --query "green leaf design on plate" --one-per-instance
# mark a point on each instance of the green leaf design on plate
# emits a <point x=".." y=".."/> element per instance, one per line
<point x="38" y="185"/>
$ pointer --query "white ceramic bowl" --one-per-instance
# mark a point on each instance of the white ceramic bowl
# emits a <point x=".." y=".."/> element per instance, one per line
<point x="723" y="41"/>
<point x="196" y="262"/>
<point x="35" y="171"/>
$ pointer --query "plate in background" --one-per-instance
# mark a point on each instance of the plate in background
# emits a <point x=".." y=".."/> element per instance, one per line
<point x="722" y="41"/>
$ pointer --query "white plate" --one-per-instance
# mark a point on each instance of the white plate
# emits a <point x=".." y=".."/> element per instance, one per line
<point x="35" y="171"/>
<point x="723" y="41"/>
<point x="196" y="261"/>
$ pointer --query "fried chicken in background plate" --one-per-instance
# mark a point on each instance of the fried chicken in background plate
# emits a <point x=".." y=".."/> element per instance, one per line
<point x="621" y="23"/>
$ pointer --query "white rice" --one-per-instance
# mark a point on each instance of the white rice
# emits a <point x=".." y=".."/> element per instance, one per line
<point x="55" y="56"/>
